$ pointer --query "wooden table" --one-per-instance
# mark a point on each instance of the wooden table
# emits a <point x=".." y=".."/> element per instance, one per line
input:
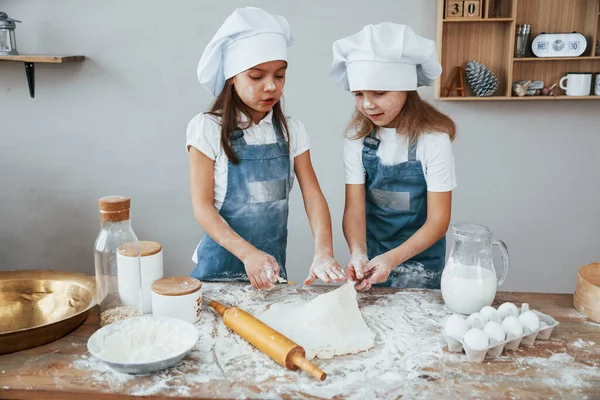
<point x="566" y="366"/>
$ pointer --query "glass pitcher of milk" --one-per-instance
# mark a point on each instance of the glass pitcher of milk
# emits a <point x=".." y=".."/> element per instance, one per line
<point x="469" y="280"/>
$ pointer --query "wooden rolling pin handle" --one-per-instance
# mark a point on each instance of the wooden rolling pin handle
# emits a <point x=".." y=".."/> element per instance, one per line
<point x="308" y="367"/>
<point x="220" y="308"/>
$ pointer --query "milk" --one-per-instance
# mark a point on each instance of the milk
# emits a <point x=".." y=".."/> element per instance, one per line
<point x="466" y="289"/>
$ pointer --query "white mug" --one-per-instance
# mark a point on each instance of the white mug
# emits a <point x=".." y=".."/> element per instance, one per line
<point x="597" y="87"/>
<point x="578" y="83"/>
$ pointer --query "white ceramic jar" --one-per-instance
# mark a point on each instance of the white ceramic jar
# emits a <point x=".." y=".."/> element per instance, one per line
<point x="150" y="265"/>
<point x="178" y="297"/>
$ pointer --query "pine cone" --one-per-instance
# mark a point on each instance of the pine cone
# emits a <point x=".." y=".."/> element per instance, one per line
<point x="482" y="81"/>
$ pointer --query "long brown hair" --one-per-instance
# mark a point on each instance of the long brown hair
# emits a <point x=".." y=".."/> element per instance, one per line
<point x="228" y="106"/>
<point x="416" y="117"/>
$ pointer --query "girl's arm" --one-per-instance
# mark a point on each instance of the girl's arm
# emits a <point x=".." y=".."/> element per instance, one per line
<point x="262" y="269"/>
<point x="324" y="266"/>
<point x="355" y="230"/>
<point x="439" y="208"/>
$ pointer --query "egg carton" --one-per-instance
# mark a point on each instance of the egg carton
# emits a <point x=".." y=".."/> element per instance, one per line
<point x="511" y="343"/>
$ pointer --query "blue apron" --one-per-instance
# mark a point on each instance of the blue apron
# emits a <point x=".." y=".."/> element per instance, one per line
<point x="396" y="207"/>
<point x="255" y="207"/>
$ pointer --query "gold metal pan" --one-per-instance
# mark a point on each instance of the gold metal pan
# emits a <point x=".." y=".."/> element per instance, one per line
<point x="40" y="306"/>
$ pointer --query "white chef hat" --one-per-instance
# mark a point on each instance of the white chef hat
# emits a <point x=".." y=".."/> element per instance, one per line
<point x="384" y="57"/>
<point x="248" y="37"/>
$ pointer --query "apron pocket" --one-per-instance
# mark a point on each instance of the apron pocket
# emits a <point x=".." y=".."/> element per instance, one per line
<point x="399" y="201"/>
<point x="267" y="191"/>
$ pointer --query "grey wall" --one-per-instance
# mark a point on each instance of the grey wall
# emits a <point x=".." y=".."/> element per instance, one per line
<point x="115" y="124"/>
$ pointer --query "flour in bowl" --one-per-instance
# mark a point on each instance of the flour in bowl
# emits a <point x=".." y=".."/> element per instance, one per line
<point x="144" y="340"/>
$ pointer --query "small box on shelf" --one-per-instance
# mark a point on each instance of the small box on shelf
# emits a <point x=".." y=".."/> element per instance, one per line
<point x="454" y="9"/>
<point x="472" y="9"/>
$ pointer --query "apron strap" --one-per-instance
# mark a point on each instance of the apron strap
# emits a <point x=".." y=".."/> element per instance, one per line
<point x="371" y="143"/>
<point x="278" y="130"/>
<point x="237" y="137"/>
<point x="412" y="151"/>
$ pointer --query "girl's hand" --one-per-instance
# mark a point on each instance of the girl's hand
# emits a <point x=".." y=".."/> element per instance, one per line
<point x="376" y="271"/>
<point x="326" y="269"/>
<point x="356" y="266"/>
<point x="262" y="269"/>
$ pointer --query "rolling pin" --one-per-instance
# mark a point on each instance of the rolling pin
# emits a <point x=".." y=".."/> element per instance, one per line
<point x="268" y="340"/>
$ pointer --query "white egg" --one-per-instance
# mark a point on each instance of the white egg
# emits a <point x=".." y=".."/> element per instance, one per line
<point x="494" y="331"/>
<point x="476" y="339"/>
<point x="508" y="309"/>
<point x="530" y="320"/>
<point x="490" y="313"/>
<point x="456" y="327"/>
<point x="476" y="320"/>
<point x="512" y="326"/>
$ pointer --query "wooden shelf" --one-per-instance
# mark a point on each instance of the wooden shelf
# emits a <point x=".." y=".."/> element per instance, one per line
<point x="491" y="41"/>
<point x="513" y="98"/>
<point x="590" y="97"/>
<point x="463" y="20"/>
<point x="42" y="58"/>
<point x="31" y="59"/>
<point x="542" y="59"/>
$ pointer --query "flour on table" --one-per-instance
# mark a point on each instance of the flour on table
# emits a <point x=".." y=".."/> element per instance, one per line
<point x="329" y="325"/>
<point x="408" y="360"/>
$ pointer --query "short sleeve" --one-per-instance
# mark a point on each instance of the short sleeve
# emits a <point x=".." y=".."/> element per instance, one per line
<point x="299" y="140"/>
<point x="439" y="163"/>
<point x="355" y="171"/>
<point x="204" y="133"/>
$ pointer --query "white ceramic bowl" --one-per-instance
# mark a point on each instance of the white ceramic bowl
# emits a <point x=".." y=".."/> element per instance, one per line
<point x="187" y="336"/>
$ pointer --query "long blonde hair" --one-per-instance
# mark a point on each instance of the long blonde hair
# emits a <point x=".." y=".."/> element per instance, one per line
<point x="416" y="117"/>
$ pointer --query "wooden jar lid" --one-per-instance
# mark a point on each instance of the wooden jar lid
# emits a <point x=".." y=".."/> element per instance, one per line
<point x="114" y="208"/>
<point x="114" y="203"/>
<point x="147" y="248"/>
<point x="176" y="285"/>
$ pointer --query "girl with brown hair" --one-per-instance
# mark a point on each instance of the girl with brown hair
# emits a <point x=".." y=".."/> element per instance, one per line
<point x="398" y="158"/>
<point x="244" y="156"/>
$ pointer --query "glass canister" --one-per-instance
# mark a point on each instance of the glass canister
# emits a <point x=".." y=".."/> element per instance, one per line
<point x="522" y="41"/>
<point x="115" y="234"/>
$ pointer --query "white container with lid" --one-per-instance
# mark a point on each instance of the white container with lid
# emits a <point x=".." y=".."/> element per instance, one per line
<point x="178" y="297"/>
<point x="151" y="267"/>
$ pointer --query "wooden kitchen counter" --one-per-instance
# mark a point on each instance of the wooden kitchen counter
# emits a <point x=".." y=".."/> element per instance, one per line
<point x="409" y="360"/>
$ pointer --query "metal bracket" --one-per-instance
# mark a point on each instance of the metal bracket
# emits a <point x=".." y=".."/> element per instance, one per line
<point x="30" y="72"/>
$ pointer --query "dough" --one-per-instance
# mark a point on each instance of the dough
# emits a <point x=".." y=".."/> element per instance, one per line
<point x="329" y="325"/>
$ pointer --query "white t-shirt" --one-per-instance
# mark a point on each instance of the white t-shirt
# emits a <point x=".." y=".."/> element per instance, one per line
<point x="204" y="133"/>
<point x="434" y="150"/>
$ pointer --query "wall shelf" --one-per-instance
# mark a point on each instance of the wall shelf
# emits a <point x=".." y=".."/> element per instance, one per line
<point x="543" y="59"/>
<point x="465" y="20"/>
<point x="491" y="41"/>
<point x="31" y="59"/>
<point x="526" y="98"/>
